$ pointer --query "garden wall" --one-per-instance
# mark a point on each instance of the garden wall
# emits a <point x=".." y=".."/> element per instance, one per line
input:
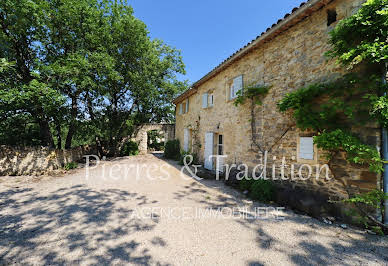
<point x="38" y="160"/>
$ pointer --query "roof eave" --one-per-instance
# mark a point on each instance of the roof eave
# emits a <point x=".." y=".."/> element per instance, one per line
<point x="281" y="26"/>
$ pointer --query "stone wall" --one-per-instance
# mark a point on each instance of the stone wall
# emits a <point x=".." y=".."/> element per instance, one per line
<point x="291" y="60"/>
<point x="38" y="160"/>
<point x="141" y="136"/>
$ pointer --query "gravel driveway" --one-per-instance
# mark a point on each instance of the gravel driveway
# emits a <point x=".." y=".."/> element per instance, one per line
<point x="116" y="215"/>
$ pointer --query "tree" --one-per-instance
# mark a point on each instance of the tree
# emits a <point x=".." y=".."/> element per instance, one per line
<point x="92" y="60"/>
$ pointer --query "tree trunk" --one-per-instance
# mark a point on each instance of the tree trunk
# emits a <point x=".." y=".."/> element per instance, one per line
<point x="59" y="136"/>
<point x="45" y="134"/>
<point x="72" y="128"/>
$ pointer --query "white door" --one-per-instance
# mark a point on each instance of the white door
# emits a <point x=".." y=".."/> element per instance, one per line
<point x="209" y="138"/>
<point x="186" y="139"/>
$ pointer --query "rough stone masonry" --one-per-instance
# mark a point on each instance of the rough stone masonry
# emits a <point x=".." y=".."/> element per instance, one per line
<point x="288" y="56"/>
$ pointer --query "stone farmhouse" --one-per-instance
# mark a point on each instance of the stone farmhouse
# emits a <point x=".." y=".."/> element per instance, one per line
<point x="289" y="55"/>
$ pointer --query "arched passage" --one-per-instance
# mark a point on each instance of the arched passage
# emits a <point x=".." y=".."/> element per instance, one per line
<point x="141" y="136"/>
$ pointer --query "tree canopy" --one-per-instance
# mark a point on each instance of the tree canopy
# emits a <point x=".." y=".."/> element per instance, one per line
<point x="80" y="69"/>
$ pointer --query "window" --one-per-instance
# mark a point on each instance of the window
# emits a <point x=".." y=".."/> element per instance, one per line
<point x="236" y="86"/>
<point x="204" y="100"/>
<point x="207" y="100"/>
<point x="306" y="148"/>
<point x="211" y="100"/>
<point x="220" y="145"/>
<point x="331" y="16"/>
<point x="180" y="109"/>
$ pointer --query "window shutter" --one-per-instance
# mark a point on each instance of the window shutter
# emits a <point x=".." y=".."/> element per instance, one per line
<point x="306" y="148"/>
<point x="180" y="109"/>
<point x="187" y="106"/>
<point x="237" y="85"/>
<point x="231" y="93"/>
<point x="204" y="100"/>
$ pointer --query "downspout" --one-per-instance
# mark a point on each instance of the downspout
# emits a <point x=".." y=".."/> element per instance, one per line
<point x="384" y="135"/>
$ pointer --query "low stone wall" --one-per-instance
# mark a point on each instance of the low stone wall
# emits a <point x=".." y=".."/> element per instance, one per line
<point x="38" y="160"/>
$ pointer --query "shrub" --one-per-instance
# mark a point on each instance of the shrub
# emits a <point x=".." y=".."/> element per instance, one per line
<point x="129" y="148"/>
<point x="182" y="157"/>
<point x="71" y="165"/>
<point x="172" y="150"/>
<point x="260" y="189"/>
<point x="245" y="184"/>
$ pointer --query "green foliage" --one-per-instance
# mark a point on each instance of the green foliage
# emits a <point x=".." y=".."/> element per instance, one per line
<point x="172" y="150"/>
<point x="194" y="160"/>
<point x="130" y="148"/>
<point x="154" y="140"/>
<point x="254" y="93"/>
<point x="245" y="184"/>
<point x="363" y="36"/>
<point x="68" y="63"/>
<point x="333" y="108"/>
<point x="379" y="109"/>
<point x="356" y="151"/>
<point x="71" y="165"/>
<point x="260" y="189"/>
<point x="372" y="198"/>
<point x="338" y="104"/>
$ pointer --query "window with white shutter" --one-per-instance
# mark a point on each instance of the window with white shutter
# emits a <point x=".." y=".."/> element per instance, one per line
<point x="211" y="100"/>
<point x="236" y="86"/>
<point x="306" y="148"/>
<point x="204" y="100"/>
<point x="180" y="109"/>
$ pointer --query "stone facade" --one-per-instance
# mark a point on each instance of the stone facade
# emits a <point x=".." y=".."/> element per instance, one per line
<point x="286" y="62"/>
<point x="38" y="160"/>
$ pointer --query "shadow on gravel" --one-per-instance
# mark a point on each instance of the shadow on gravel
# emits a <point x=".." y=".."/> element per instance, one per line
<point x="86" y="225"/>
<point x="313" y="247"/>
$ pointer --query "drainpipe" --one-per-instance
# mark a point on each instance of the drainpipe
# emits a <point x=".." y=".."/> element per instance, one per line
<point x="385" y="154"/>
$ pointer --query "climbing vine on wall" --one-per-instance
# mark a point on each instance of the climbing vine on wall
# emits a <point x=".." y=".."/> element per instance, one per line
<point x="254" y="94"/>
<point x="335" y="109"/>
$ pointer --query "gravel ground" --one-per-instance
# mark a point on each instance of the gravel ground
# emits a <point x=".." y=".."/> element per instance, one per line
<point x="117" y="215"/>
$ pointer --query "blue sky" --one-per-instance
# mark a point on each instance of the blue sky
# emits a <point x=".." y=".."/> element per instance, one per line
<point x="208" y="31"/>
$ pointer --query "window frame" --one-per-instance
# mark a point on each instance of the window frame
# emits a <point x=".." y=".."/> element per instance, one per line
<point x="315" y="151"/>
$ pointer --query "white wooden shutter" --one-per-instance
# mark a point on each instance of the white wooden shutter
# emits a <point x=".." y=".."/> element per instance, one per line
<point x="237" y="85"/>
<point x="186" y="139"/>
<point x="180" y="109"/>
<point x="187" y="106"/>
<point x="306" y="148"/>
<point x="209" y="139"/>
<point x="204" y="100"/>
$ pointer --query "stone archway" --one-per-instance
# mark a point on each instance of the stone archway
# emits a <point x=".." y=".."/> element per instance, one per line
<point x="142" y="136"/>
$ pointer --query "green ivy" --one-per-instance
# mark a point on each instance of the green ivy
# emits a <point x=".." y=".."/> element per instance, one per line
<point x="332" y="109"/>
<point x="254" y="93"/>
<point x="356" y="151"/>
<point x="363" y="36"/>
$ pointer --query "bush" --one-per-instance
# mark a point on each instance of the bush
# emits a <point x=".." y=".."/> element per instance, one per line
<point x="71" y="165"/>
<point x="129" y="148"/>
<point x="182" y="157"/>
<point x="172" y="150"/>
<point x="260" y="189"/>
